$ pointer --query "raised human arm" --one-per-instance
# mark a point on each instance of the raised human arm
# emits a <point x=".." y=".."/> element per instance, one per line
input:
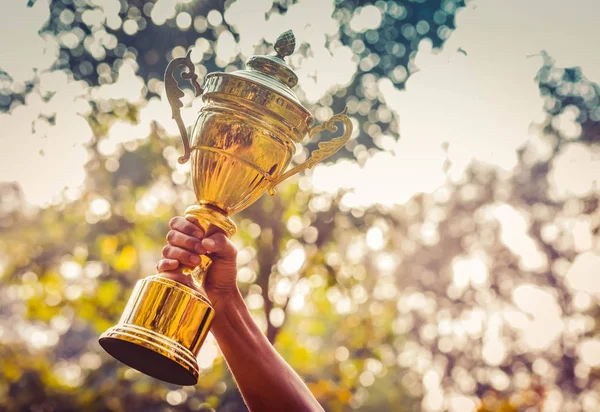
<point x="265" y="380"/>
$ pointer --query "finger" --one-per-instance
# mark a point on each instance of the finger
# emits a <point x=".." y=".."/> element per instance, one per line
<point x="165" y="265"/>
<point x="183" y="225"/>
<point x="221" y="246"/>
<point x="212" y="229"/>
<point x="181" y="255"/>
<point x="191" y="244"/>
<point x="194" y="221"/>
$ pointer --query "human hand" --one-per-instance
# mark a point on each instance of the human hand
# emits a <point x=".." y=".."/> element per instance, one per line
<point x="186" y="242"/>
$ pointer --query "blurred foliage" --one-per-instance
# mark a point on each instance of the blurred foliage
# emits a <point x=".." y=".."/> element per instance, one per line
<point x="370" y="313"/>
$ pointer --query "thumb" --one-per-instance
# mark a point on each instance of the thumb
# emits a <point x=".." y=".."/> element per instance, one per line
<point x="220" y="248"/>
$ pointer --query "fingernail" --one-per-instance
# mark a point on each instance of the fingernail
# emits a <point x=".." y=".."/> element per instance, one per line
<point x="209" y="243"/>
<point x="198" y="234"/>
<point x="195" y="260"/>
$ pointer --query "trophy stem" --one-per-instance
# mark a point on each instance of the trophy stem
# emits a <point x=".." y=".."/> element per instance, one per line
<point x="207" y="215"/>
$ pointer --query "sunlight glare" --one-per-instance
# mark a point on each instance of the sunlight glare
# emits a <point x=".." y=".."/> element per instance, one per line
<point x="575" y="171"/>
<point x="293" y="261"/>
<point x="589" y="351"/>
<point x="70" y="270"/>
<point x="469" y="270"/>
<point x="375" y="238"/>
<point x="365" y="18"/>
<point x="583" y="273"/>
<point x="544" y="324"/>
<point x="208" y="352"/>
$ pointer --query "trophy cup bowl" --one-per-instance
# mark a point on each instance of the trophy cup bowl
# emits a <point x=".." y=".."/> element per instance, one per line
<point x="242" y="143"/>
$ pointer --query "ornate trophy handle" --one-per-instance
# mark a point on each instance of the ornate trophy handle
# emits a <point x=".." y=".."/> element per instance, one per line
<point x="174" y="93"/>
<point x="325" y="150"/>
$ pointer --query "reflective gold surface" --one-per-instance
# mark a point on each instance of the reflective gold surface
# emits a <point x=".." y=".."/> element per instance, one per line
<point x="168" y="319"/>
<point x="241" y="146"/>
<point x="241" y="150"/>
<point x="174" y="94"/>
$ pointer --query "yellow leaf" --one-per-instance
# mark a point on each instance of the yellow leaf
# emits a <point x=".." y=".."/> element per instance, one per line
<point x="108" y="245"/>
<point x="127" y="259"/>
<point x="107" y="293"/>
<point x="344" y="395"/>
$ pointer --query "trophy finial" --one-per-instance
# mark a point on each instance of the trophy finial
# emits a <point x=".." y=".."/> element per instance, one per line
<point x="274" y="66"/>
<point x="285" y="44"/>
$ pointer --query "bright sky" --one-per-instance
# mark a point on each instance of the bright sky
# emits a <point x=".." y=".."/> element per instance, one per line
<point x="481" y="104"/>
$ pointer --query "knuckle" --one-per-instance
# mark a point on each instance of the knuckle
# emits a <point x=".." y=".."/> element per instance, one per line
<point x="171" y="236"/>
<point x="166" y="250"/>
<point x="186" y="255"/>
<point x="173" y="221"/>
<point x="188" y="228"/>
<point x="190" y="243"/>
<point x="192" y="220"/>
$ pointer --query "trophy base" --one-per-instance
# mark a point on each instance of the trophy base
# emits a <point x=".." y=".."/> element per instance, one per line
<point x="161" y="330"/>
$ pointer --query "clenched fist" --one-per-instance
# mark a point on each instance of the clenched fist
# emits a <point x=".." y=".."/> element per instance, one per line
<point x="186" y="242"/>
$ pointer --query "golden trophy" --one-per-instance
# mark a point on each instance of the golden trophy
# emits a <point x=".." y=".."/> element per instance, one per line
<point x="242" y="143"/>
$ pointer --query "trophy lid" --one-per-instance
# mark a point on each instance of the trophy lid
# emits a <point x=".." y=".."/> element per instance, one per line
<point x="272" y="71"/>
<point x="267" y="81"/>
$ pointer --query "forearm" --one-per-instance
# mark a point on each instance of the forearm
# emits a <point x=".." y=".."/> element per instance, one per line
<point x="265" y="380"/>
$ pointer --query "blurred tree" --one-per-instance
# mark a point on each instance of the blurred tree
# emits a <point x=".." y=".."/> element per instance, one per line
<point x="411" y="308"/>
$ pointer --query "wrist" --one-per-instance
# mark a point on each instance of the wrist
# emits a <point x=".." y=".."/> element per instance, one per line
<point x="226" y="300"/>
<point x="230" y="314"/>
